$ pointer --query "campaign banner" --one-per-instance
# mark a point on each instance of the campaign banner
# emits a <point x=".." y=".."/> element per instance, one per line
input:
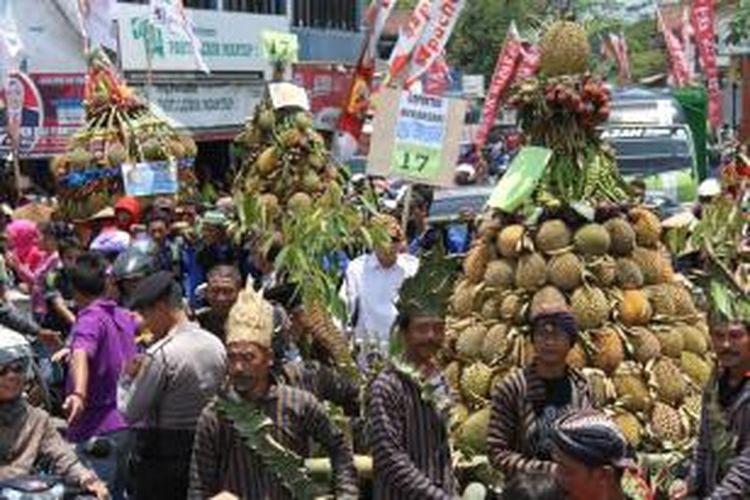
<point x="408" y="37"/>
<point x="326" y="86"/>
<point x="48" y="108"/>
<point x="704" y="21"/>
<point x="150" y="178"/>
<point x="505" y="71"/>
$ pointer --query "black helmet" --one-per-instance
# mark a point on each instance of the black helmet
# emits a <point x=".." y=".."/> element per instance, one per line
<point x="137" y="261"/>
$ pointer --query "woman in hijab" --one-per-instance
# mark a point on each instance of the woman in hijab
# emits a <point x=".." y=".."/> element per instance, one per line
<point x="23" y="253"/>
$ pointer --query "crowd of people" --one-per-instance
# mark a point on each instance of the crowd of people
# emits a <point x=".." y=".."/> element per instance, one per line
<point x="176" y="363"/>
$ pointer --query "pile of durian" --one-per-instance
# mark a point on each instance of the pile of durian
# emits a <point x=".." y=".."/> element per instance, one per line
<point x="120" y="128"/>
<point x="643" y="345"/>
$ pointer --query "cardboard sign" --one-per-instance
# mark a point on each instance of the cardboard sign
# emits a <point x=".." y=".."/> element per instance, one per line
<point x="285" y="95"/>
<point x="522" y="177"/>
<point x="146" y="179"/>
<point x="416" y="137"/>
<point x="279" y="46"/>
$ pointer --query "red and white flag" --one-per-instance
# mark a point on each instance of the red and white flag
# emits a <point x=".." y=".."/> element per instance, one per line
<point x="438" y="77"/>
<point x="443" y="17"/>
<point x="530" y="57"/>
<point x="97" y="18"/>
<point x="704" y="21"/>
<point x="10" y="42"/>
<point x="505" y="71"/>
<point x="617" y="49"/>
<point x="687" y="35"/>
<point x="408" y="37"/>
<point x="170" y="15"/>
<point x="678" y="61"/>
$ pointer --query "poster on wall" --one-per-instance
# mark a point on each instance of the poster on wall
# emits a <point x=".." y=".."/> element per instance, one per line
<point x="327" y="86"/>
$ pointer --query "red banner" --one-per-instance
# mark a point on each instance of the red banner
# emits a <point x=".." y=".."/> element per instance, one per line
<point x="326" y="85"/>
<point x="704" y="20"/>
<point x="437" y="79"/>
<point x="408" y="38"/>
<point x="505" y="71"/>
<point x="529" y="64"/>
<point x="677" y="58"/>
<point x="617" y="49"/>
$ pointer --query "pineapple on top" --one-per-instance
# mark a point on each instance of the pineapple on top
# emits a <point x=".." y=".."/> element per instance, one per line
<point x="526" y="403"/>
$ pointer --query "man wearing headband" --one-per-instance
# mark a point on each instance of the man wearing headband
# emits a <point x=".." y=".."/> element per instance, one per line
<point x="27" y="434"/>
<point x="529" y="400"/>
<point x="591" y="455"/>
<point x="251" y="441"/>
<point x="409" y="403"/>
<point x="721" y="462"/>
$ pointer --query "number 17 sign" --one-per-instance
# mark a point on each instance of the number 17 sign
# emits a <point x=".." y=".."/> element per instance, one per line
<point x="416" y="137"/>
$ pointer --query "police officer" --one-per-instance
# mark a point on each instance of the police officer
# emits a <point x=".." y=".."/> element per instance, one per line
<point x="165" y="390"/>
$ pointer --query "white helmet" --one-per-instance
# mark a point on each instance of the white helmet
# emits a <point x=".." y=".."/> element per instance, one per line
<point x="13" y="346"/>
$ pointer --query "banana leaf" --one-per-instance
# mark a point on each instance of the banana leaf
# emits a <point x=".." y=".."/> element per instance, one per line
<point x="519" y="182"/>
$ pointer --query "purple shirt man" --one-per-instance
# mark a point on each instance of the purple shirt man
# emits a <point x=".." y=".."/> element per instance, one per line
<point x="107" y="334"/>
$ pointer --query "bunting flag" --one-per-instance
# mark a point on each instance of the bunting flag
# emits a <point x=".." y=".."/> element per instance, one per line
<point x="617" y="49"/>
<point x="170" y="15"/>
<point x="505" y="71"/>
<point x="677" y="59"/>
<point x="443" y="17"/>
<point x="408" y="37"/>
<point x="703" y="19"/>
<point x="354" y="109"/>
<point x="529" y="63"/>
<point x="97" y="18"/>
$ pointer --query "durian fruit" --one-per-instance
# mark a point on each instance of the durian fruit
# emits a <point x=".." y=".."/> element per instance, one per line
<point x="577" y="357"/>
<point x="452" y="374"/>
<point x="650" y="262"/>
<point x="631" y="427"/>
<point x="634" y="308"/>
<point x="531" y="272"/>
<point x="490" y="309"/>
<point x="647" y="227"/>
<point x="512" y="308"/>
<point x="469" y="343"/>
<point x="695" y="367"/>
<point x="694" y="340"/>
<point x="80" y="158"/>
<point x="645" y="344"/>
<point x="668" y="381"/>
<point x="565" y="271"/>
<point x="671" y="341"/>
<point x="552" y="236"/>
<point x="609" y="351"/>
<point x="564" y="49"/>
<point x="667" y="426"/>
<point x="592" y="239"/>
<point x="590" y="307"/>
<point x="602" y="389"/>
<point x="691" y="407"/>
<point x="683" y="301"/>
<point x="547" y="298"/>
<point x="660" y="297"/>
<point x="475" y="263"/>
<point x="472" y="435"/>
<point x="630" y="387"/>
<point x="299" y="201"/>
<point x="458" y="415"/>
<point x="500" y="274"/>
<point x="495" y="344"/>
<point x="116" y="154"/>
<point x="621" y="235"/>
<point x="462" y="302"/>
<point x="508" y="241"/>
<point x="475" y="382"/>
<point x="604" y="270"/>
<point x="629" y="275"/>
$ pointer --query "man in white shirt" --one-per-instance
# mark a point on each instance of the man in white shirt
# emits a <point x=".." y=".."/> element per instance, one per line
<point x="371" y="286"/>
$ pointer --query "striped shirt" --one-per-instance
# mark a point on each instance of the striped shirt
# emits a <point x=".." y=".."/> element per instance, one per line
<point x="324" y="383"/>
<point x="515" y="418"/>
<point x="222" y="462"/>
<point x="706" y="480"/>
<point x="409" y="440"/>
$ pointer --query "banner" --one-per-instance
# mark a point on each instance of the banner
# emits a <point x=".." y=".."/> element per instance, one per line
<point x="616" y="47"/>
<point x="687" y="35"/>
<point x="97" y="22"/>
<point x="505" y="71"/>
<point x="10" y="42"/>
<point x="326" y="85"/>
<point x="408" y="37"/>
<point x="383" y="10"/>
<point x="530" y="57"/>
<point x="149" y="178"/>
<point x="678" y="61"/>
<point x="438" y="78"/>
<point x="704" y="21"/>
<point x="443" y="17"/>
<point x="170" y="14"/>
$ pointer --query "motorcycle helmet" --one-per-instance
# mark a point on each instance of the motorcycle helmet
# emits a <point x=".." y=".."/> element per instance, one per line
<point x="137" y="261"/>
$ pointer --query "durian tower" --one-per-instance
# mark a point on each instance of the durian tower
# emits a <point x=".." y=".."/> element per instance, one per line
<point x="119" y="128"/>
<point x="643" y="345"/>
